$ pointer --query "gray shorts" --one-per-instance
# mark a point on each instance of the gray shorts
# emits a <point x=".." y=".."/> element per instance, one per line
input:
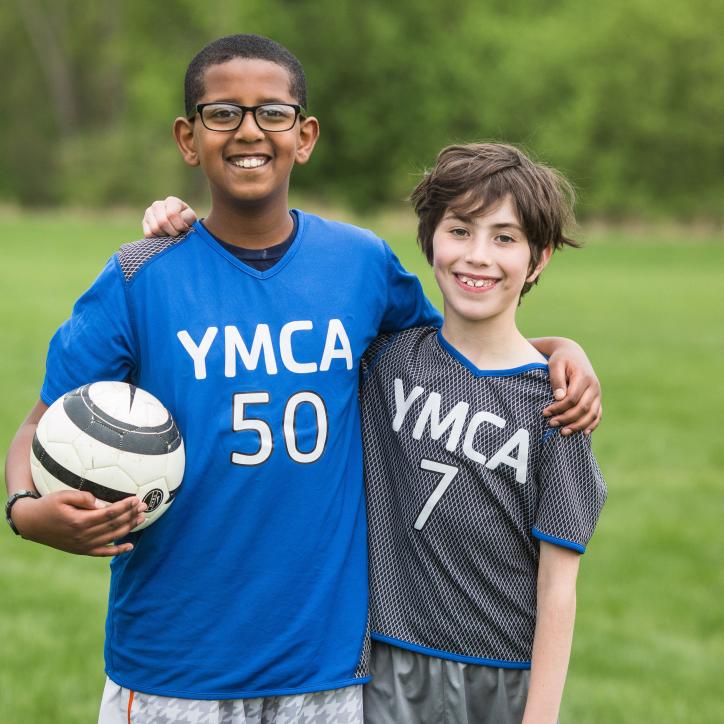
<point x="412" y="688"/>
<point x="337" y="706"/>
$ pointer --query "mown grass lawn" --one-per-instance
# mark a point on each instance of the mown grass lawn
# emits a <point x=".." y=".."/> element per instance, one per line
<point x="649" y="643"/>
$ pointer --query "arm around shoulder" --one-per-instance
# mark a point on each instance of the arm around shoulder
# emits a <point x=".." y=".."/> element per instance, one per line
<point x="574" y="383"/>
<point x="406" y="303"/>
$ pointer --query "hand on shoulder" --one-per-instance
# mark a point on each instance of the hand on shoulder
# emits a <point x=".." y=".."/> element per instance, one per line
<point x="576" y="389"/>
<point x="169" y="217"/>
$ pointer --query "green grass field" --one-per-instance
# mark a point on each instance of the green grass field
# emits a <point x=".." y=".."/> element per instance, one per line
<point x="649" y="643"/>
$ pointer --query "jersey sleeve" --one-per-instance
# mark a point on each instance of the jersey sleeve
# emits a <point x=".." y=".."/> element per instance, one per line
<point x="374" y="353"/>
<point x="407" y="306"/>
<point x="572" y="491"/>
<point x="96" y="343"/>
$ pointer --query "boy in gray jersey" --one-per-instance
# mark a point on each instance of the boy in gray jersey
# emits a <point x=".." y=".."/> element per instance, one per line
<point x="478" y="511"/>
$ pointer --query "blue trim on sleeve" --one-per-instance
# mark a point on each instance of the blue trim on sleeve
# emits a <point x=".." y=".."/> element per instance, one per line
<point x="487" y="373"/>
<point x="558" y="541"/>
<point x="447" y="655"/>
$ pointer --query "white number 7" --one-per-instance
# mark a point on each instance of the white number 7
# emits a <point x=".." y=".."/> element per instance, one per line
<point x="448" y="473"/>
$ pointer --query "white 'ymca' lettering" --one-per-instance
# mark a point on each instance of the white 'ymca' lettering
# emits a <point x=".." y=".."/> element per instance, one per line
<point x="234" y="345"/>
<point x="336" y="346"/>
<point x="455" y="422"/>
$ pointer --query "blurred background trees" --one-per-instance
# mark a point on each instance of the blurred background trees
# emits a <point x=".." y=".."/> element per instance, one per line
<point x="627" y="96"/>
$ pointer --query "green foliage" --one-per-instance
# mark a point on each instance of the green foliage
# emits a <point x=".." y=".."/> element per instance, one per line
<point x="625" y="96"/>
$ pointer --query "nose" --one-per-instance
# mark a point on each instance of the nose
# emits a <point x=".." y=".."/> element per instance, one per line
<point x="478" y="251"/>
<point x="249" y="131"/>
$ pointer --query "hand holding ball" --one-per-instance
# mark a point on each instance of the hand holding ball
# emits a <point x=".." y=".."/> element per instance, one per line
<point x="113" y="440"/>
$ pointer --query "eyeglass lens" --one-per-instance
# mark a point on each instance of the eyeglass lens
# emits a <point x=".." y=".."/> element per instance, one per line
<point x="269" y="117"/>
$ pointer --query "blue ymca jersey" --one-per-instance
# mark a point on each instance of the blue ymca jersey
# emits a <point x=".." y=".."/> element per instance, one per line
<point x="254" y="583"/>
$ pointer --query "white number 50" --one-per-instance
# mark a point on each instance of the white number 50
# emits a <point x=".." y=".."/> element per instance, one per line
<point x="241" y="422"/>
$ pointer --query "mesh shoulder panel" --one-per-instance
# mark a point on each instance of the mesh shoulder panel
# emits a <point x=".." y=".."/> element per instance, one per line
<point x="134" y="255"/>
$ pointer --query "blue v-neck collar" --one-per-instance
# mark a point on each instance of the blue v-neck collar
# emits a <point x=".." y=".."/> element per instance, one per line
<point x="278" y="267"/>
<point x="463" y="360"/>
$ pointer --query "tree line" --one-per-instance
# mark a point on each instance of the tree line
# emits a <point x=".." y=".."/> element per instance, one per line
<point x="626" y="97"/>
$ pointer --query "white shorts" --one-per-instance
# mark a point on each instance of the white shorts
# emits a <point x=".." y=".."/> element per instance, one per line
<point x="337" y="706"/>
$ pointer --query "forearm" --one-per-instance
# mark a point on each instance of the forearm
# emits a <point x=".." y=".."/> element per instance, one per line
<point x="549" y="345"/>
<point x="551" y="652"/>
<point x="68" y="520"/>
<point x="17" y="467"/>
<point x="17" y="464"/>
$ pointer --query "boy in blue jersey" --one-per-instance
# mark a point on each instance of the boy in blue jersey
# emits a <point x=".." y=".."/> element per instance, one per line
<point x="248" y="327"/>
<point x="477" y="510"/>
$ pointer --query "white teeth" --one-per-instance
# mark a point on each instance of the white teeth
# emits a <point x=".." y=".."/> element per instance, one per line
<point x="476" y="282"/>
<point x="249" y="162"/>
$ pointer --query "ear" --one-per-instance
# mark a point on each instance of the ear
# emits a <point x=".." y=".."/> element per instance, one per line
<point x="183" y="132"/>
<point x="541" y="265"/>
<point x="308" y="135"/>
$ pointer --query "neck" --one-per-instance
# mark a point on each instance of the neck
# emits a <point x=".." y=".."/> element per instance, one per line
<point x="251" y="226"/>
<point x="490" y="344"/>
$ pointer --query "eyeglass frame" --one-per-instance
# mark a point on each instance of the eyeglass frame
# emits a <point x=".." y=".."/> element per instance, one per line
<point x="299" y="112"/>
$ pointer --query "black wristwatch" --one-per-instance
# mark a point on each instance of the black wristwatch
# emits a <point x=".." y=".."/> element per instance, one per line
<point x="14" y="499"/>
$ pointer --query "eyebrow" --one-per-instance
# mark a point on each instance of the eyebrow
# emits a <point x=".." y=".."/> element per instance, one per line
<point x="517" y="227"/>
<point x="261" y="103"/>
<point x="467" y="219"/>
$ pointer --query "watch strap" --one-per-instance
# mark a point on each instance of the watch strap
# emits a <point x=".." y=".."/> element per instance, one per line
<point x="14" y="499"/>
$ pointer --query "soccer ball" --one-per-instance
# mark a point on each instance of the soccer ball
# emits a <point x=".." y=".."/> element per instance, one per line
<point x="114" y="440"/>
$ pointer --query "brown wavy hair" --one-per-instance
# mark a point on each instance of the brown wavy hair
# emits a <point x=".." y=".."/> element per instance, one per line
<point x="473" y="178"/>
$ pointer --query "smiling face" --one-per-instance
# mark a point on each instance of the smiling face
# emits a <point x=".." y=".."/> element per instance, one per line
<point x="248" y="166"/>
<point x="481" y="264"/>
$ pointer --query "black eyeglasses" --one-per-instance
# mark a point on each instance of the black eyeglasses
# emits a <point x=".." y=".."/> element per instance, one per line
<point x="268" y="116"/>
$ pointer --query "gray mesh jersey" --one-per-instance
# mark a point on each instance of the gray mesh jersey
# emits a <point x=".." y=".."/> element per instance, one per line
<point x="462" y="476"/>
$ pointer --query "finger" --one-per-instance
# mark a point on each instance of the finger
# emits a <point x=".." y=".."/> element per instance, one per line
<point x="112" y="515"/>
<point x="578" y="426"/>
<point x="174" y="203"/>
<point x="158" y="217"/>
<point x="557" y="377"/>
<point x="117" y="525"/>
<point x="558" y="408"/>
<point x="161" y="213"/>
<point x="173" y="209"/>
<point x="106" y="551"/>
<point x="580" y="416"/>
<point x="146" y="228"/>
<point x="189" y="216"/>
<point x="107" y="535"/>
<point x="154" y="227"/>
<point x="177" y="221"/>
<point x="596" y="422"/>
<point x="76" y="498"/>
<point x="576" y="387"/>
